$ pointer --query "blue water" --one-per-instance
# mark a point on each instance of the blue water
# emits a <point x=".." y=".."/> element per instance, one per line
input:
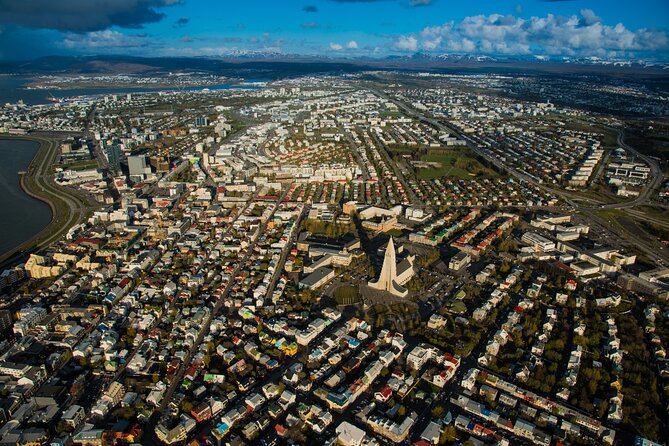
<point x="12" y="89"/>
<point x="21" y="216"/>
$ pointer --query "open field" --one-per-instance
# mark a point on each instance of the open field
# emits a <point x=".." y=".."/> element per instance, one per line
<point x="608" y="137"/>
<point x="650" y="137"/>
<point x="454" y="164"/>
<point x="77" y="165"/>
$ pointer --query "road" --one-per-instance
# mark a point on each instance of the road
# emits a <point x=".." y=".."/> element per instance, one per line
<point x="656" y="178"/>
<point x="355" y="149"/>
<point x="284" y="255"/>
<point x="149" y="436"/>
<point x="68" y="209"/>
<point x="655" y="175"/>
<point x="394" y="165"/>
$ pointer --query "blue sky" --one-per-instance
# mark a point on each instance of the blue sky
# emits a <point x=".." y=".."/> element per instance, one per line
<point x="346" y="28"/>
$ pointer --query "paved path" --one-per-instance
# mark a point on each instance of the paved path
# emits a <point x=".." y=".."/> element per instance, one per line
<point x="67" y="207"/>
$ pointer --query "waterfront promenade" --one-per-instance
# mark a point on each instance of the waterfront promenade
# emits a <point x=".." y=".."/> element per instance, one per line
<point x="67" y="207"/>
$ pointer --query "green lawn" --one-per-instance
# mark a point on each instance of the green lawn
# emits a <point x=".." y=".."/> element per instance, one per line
<point x="78" y="165"/>
<point x="388" y="113"/>
<point x="347" y="295"/>
<point x="607" y="137"/>
<point x="655" y="212"/>
<point x="454" y="164"/>
<point x="402" y="149"/>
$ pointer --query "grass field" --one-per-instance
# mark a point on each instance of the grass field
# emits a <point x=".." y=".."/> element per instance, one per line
<point x="454" y="164"/>
<point x="347" y="295"/>
<point x="612" y="216"/>
<point x="402" y="149"/>
<point x="607" y="137"/>
<point x="78" y="165"/>
<point x="393" y="114"/>
<point x="655" y="212"/>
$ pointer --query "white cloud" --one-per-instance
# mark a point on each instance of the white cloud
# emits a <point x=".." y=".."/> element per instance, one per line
<point x="335" y="46"/>
<point x="407" y="43"/>
<point x="352" y="45"/>
<point x="589" y="17"/>
<point x="581" y="35"/>
<point x="432" y="44"/>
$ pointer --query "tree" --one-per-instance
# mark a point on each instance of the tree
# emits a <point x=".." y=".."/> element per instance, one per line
<point x="449" y="435"/>
<point x="508" y="246"/>
<point x="186" y="406"/>
<point x="125" y="413"/>
<point x="62" y="427"/>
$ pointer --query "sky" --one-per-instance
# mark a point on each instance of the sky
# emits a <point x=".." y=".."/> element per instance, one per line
<point x="611" y="29"/>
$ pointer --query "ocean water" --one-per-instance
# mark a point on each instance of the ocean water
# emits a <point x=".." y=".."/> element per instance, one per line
<point x="13" y="89"/>
<point x="21" y="216"/>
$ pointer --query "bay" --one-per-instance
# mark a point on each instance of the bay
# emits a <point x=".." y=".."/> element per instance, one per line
<point x="13" y="89"/>
<point x="21" y="216"/>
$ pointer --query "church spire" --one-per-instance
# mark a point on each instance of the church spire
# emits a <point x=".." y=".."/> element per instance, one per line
<point x="388" y="278"/>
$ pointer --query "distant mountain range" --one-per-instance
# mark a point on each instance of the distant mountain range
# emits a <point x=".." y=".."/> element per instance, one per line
<point x="275" y="65"/>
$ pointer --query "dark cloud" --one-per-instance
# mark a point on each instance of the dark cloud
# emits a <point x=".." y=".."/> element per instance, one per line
<point x="310" y="8"/>
<point x="181" y="21"/>
<point x="105" y="40"/>
<point x="82" y="15"/>
<point x="420" y="2"/>
<point x="310" y="25"/>
<point x="33" y="43"/>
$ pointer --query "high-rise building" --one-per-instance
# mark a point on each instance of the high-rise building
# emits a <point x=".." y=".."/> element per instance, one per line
<point x="114" y="155"/>
<point x="6" y="321"/>
<point x="137" y="166"/>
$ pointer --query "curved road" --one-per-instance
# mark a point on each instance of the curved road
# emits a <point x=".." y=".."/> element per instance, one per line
<point x="656" y="178"/>
<point x="655" y="175"/>
<point x="67" y="208"/>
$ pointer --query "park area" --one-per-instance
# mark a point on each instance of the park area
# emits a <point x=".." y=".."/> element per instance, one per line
<point x="453" y="164"/>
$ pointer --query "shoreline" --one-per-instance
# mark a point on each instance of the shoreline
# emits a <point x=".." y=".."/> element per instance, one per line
<point x="29" y="192"/>
<point x="47" y="147"/>
<point x="43" y="199"/>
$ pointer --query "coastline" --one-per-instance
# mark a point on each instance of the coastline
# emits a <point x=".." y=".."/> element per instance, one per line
<point x="28" y="191"/>
<point x="60" y="221"/>
<point x="42" y="198"/>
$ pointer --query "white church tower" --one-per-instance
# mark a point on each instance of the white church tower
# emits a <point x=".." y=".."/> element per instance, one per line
<point x="388" y="279"/>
